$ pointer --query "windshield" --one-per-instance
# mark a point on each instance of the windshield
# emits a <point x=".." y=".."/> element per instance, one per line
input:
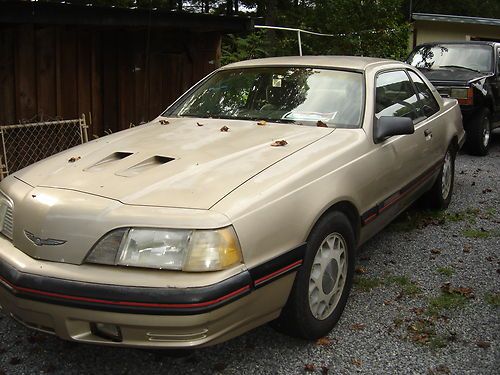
<point x="470" y="56"/>
<point x="278" y="94"/>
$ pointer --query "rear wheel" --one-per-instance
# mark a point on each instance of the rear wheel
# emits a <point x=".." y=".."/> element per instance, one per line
<point x="439" y="196"/>
<point x="322" y="284"/>
<point x="478" y="134"/>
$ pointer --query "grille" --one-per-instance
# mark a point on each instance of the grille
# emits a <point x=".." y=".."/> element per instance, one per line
<point x="8" y="223"/>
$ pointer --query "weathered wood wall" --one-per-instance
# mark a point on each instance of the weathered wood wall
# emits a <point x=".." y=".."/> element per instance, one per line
<point x="121" y="76"/>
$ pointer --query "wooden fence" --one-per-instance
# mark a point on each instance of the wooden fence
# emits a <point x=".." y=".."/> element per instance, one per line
<point x="119" y="75"/>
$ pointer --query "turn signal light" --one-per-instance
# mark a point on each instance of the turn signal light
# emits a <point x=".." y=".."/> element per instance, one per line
<point x="464" y="96"/>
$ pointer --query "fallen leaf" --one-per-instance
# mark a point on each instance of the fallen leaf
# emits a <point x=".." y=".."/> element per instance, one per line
<point x="467" y="248"/>
<point x="441" y="369"/>
<point x="324" y="370"/>
<point x="358" y="326"/>
<point x="360" y="270"/>
<point x="199" y="124"/>
<point x="15" y="361"/>
<point x="164" y="122"/>
<point x="309" y="367"/>
<point x="224" y="129"/>
<point x="466" y="292"/>
<point x="50" y="368"/>
<point x="321" y="124"/>
<point x="418" y="310"/>
<point x="73" y="159"/>
<point x="487" y="191"/>
<point x="262" y="122"/>
<point x="279" y="143"/>
<point x="436" y="251"/>
<point x="324" y="341"/>
<point x="387" y="302"/>
<point x="356" y="362"/>
<point x="220" y="366"/>
<point x="483" y="344"/>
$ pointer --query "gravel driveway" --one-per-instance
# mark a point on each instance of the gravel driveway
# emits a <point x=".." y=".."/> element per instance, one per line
<point x="426" y="300"/>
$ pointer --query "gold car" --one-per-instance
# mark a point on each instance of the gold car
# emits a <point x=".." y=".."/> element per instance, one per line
<point x="243" y="203"/>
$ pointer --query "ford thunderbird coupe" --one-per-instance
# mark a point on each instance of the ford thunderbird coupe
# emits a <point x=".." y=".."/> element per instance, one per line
<point x="243" y="203"/>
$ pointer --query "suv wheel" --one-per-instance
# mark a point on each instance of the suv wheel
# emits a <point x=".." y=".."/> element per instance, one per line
<point x="478" y="134"/>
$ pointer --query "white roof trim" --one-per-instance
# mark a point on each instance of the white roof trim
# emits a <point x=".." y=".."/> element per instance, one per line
<point x="455" y="19"/>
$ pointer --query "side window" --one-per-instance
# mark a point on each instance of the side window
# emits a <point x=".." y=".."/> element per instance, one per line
<point x="498" y="61"/>
<point x="427" y="103"/>
<point x="395" y="96"/>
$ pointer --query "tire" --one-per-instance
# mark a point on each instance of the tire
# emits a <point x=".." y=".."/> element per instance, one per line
<point x="439" y="196"/>
<point x="305" y="314"/>
<point x="479" y="134"/>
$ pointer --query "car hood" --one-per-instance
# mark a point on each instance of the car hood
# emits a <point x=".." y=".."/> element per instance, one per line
<point x="177" y="162"/>
<point x="452" y="76"/>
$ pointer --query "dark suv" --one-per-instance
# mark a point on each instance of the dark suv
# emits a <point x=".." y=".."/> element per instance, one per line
<point x="470" y="73"/>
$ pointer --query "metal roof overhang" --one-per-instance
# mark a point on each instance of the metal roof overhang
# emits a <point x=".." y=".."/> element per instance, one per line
<point x="456" y="19"/>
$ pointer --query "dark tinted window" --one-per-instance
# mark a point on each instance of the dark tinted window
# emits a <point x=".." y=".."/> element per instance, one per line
<point x="454" y="56"/>
<point x="395" y="96"/>
<point x="427" y="103"/>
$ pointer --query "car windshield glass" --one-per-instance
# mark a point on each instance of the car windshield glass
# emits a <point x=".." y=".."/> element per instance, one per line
<point x="278" y="94"/>
<point x="457" y="56"/>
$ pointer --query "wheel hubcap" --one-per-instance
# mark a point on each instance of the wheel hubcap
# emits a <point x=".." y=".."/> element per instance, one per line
<point x="486" y="136"/>
<point x="328" y="276"/>
<point x="447" y="176"/>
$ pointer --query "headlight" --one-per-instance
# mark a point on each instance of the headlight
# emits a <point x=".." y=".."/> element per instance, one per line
<point x="465" y="96"/>
<point x="174" y="249"/>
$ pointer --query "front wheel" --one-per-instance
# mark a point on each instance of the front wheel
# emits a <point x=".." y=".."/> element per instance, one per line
<point x="322" y="284"/>
<point x="439" y="196"/>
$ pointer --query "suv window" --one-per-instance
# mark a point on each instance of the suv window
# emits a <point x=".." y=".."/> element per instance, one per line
<point x="427" y="104"/>
<point x="498" y="61"/>
<point x="395" y="96"/>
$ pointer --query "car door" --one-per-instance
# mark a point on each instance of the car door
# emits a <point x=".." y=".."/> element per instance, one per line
<point x="401" y="161"/>
<point x="434" y="127"/>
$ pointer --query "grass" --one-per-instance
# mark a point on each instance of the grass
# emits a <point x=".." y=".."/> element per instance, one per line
<point x="366" y="284"/>
<point x="408" y="287"/>
<point x="492" y="299"/>
<point x="446" y="301"/>
<point x="475" y="233"/>
<point x="417" y="219"/>
<point x="446" y="271"/>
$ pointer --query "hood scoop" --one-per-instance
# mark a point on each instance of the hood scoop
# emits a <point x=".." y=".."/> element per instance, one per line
<point x="107" y="161"/>
<point x="144" y="166"/>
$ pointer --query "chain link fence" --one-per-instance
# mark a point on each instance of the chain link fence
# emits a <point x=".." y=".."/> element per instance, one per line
<point x="25" y="144"/>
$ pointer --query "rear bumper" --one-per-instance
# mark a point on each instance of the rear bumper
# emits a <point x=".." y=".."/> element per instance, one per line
<point x="147" y="316"/>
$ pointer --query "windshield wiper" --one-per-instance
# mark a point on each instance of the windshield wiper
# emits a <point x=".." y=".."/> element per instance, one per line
<point x="460" y="67"/>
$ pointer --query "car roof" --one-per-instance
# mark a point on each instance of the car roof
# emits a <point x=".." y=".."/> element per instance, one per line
<point x="341" y="62"/>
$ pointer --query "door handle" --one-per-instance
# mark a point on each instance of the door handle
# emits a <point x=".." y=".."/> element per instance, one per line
<point x="427" y="132"/>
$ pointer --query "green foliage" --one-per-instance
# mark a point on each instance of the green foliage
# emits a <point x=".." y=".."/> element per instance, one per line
<point x="236" y="48"/>
<point x="359" y="27"/>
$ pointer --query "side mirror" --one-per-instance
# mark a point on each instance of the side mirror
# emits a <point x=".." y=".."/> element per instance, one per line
<point x="387" y="126"/>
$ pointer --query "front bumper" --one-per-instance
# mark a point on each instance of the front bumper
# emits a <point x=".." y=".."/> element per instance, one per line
<point x="162" y="317"/>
